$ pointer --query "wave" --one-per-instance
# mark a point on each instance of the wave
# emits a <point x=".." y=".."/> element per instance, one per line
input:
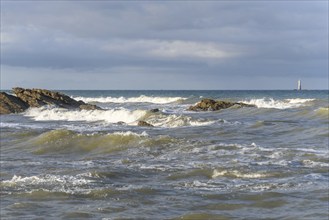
<point x="18" y="125"/>
<point x="110" y="116"/>
<point x="174" y="120"/>
<point x="238" y="174"/>
<point x="46" y="179"/>
<point x="322" y="112"/>
<point x="65" y="142"/>
<point x="86" y="185"/>
<point x="278" y="104"/>
<point x="120" y="115"/>
<point x="49" y="183"/>
<point x="142" y="98"/>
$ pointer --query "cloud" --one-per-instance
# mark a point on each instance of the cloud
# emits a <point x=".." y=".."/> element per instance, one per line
<point x="170" y="49"/>
<point x="219" y="40"/>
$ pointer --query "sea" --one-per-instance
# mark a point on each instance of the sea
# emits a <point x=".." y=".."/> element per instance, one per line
<point x="270" y="161"/>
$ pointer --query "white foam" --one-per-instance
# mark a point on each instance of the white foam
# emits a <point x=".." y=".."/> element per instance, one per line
<point x="47" y="180"/>
<point x="130" y="117"/>
<point x="237" y="174"/>
<point x="299" y="101"/>
<point x="142" y="98"/>
<point x="130" y="133"/>
<point x="312" y="164"/>
<point x="9" y="125"/>
<point x="173" y="121"/>
<point x="17" y="125"/>
<point x="110" y="116"/>
<point x="278" y="104"/>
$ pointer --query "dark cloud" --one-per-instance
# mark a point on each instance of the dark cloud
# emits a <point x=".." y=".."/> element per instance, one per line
<point x="154" y="40"/>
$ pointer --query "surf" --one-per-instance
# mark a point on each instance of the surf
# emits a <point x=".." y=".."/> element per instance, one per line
<point x="111" y="115"/>
<point x="121" y="115"/>
<point x="139" y="99"/>
<point x="278" y="104"/>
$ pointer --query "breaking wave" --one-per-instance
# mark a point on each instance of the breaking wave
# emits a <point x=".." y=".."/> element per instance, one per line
<point x="49" y="183"/>
<point x="278" y="104"/>
<point x="177" y="121"/>
<point x="119" y="115"/>
<point x="110" y="116"/>
<point x="238" y="174"/>
<point x="322" y="112"/>
<point x="64" y="141"/>
<point x="142" y="98"/>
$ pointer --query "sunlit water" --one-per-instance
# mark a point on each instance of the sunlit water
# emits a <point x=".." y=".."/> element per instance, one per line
<point x="268" y="162"/>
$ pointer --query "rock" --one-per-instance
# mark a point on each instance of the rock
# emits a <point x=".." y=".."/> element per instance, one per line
<point x="212" y="105"/>
<point x="154" y="110"/>
<point x="89" y="107"/>
<point x="144" y="124"/>
<point x="11" y="104"/>
<point x="41" y="97"/>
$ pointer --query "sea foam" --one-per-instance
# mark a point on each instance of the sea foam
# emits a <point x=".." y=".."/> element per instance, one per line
<point x="110" y="116"/>
<point x="238" y="174"/>
<point x="49" y="183"/>
<point x="130" y="117"/>
<point x="142" y="98"/>
<point x="278" y="104"/>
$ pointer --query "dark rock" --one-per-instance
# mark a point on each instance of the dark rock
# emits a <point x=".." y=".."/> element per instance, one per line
<point x="154" y="110"/>
<point x="89" y="107"/>
<point x="41" y="97"/>
<point x="212" y="105"/>
<point x="144" y="124"/>
<point x="11" y="104"/>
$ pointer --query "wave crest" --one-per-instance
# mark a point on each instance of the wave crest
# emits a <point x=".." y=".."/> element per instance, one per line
<point x="238" y="174"/>
<point x="69" y="142"/>
<point x="142" y="98"/>
<point x="129" y="117"/>
<point x="278" y="104"/>
<point x="172" y="121"/>
<point x="110" y="116"/>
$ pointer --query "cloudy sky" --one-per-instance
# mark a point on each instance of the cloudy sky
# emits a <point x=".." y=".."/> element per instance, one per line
<point x="164" y="44"/>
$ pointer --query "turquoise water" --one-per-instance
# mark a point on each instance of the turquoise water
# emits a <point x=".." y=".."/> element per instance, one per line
<point x="267" y="162"/>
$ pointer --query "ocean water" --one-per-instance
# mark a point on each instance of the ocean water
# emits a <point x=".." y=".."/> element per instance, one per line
<point x="267" y="162"/>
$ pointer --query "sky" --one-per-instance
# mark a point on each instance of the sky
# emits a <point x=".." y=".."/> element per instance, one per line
<point x="164" y="44"/>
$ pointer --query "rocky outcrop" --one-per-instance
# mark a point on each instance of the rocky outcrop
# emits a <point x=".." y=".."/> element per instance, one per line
<point x="212" y="105"/>
<point x="41" y="97"/>
<point x="26" y="98"/>
<point x="144" y="124"/>
<point x="11" y="104"/>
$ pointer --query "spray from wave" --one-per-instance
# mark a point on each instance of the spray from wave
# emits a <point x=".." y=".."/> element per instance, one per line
<point x="119" y="115"/>
<point x="278" y="104"/>
<point x="110" y="116"/>
<point x="140" y="99"/>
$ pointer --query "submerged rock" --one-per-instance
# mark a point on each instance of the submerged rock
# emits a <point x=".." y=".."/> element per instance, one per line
<point x="89" y="107"/>
<point x="11" y="104"/>
<point x="144" y="124"/>
<point x="41" y="97"/>
<point x="154" y="110"/>
<point x="212" y="105"/>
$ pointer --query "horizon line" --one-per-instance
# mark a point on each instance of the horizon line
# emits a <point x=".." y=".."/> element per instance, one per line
<point x="171" y="89"/>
